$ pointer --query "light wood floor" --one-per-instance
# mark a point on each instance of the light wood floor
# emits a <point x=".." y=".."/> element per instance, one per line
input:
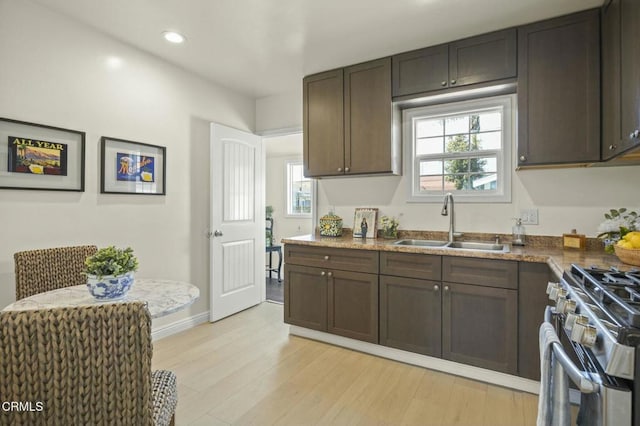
<point x="247" y="370"/>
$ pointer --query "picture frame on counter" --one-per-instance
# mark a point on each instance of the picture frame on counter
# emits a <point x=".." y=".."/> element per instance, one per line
<point x="128" y="167"/>
<point x="41" y="157"/>
<point x="365" y="223"/>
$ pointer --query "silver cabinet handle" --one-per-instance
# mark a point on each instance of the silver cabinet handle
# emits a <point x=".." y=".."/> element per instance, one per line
<point x="444" y="83"/>
<point x="436" y="288"/>
<point x="323" y="273"/>
<point x="453" y="82"/>
<point x="446" y="288"/>
<point x="523" y="158"/>
<point x="612" y="147"/>
<point x="326" y="257"/>
<point x="634" y="134"/>
<point x="346" y="169"/>
<point x="339" y="169"/>
<point x="217" y="233"/>
<point x="330" y="274"/>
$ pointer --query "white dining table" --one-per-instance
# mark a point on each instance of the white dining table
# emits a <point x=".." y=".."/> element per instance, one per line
<point x="163" y="297"/>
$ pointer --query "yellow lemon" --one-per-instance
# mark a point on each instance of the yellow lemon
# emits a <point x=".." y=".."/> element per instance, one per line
<point x="624" y="244"/>
<point x="634" y="241"/>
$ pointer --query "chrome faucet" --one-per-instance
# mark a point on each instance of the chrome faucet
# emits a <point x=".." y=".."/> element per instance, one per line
<point x="448" y="200"/>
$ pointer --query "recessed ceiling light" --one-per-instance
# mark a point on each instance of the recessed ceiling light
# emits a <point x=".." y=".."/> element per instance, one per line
<point x="173" y="37"/>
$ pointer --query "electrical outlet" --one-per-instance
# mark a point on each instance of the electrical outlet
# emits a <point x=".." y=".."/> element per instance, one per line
<point x="529" y="216"/>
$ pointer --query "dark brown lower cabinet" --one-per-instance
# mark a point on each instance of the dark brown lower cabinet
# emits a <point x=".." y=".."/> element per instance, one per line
<point x="339" y="302"/>
<point x="353" y="305"/>
<point x="532" y="300"/>
<point x="305" y="297"/>
<point x="479" y="326"/>
<point x="410" y="315"/>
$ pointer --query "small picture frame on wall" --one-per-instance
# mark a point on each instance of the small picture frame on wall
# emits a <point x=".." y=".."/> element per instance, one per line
<point x="365" y="223"/>
<point x="37" y="156"/>
<point x="128" y="167"/>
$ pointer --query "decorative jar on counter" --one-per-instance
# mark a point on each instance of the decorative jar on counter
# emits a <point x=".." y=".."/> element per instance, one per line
<point x="331" y="225"/>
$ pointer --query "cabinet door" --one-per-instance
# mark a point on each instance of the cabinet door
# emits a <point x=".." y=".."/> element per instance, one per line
<point x="411" y="265"/>
<point x="323" y="124"/>
<point x="611" y="126"/>
<point x="410" y="315"/>
<point x="421" y="70"/>
<point x="367" y="118"/>
<point x="559" y="90"/>
<point x="305" y="297"/>
<point x="484" y="58"/>
<point x="532" y="300"/>
<point x="630" y="72"/>
<point x="353" y="305"/>
<point x="332" y="258"/>
<point x="486" y="272"/>
<point x="479" y="326"/>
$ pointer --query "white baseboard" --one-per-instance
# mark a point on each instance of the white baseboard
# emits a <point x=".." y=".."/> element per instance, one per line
<point x="468" y="371"/>
<point x="158" y="333"/>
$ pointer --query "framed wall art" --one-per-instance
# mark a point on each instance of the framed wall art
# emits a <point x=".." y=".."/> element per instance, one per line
<point x="365" y="223"/>
<point x="37" y="156"/>
<point x="129" y="167"/>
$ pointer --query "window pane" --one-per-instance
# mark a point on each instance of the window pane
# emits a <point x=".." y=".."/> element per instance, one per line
<point x="484" y="182"/>
<point x="458" y="143"/>
<point x="299" y="191"/>
<point x="457" y="181"/>
<point x="490" y="140"/>
<point x="488" y="121"/>
<point x="431" y="183"/>
<point x="427" y="128"/>
<point x="455" y="125"/>
<point x="430" y="168"/>
<point x="474" y="124"/>
<point x="484" y="164"/>
<point x="429" y="146"/>
<point x="460" y="165"/>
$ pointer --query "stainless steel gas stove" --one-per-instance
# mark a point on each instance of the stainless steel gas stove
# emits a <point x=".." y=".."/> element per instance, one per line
<point x="598" y="311"/>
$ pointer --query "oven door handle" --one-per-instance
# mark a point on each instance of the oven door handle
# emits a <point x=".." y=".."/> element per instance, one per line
<point x="577" y="376"/>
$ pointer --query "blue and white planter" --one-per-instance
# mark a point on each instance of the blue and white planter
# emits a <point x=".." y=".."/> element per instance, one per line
<point x="109" y="287"/>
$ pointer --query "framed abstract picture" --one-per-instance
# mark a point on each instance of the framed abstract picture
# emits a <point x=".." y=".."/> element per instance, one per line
<point x="128" y="167"/>
<point x="37" y="156"/>
<point x="365" y="223"/>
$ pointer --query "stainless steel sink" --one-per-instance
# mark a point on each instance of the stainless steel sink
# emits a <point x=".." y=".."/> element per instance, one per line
<point x="466" y="245"/>
<point x="462" y="245"/>
<point x="421" y="243"/>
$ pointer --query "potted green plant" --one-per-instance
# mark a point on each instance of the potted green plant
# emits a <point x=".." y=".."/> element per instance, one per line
<point x="268" y="211"/>
<point x="389" y="227"/>
<point x="110" y="272"/>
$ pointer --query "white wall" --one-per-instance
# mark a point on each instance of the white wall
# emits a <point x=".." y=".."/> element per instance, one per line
<point x="277" y="112"/>
<point x="55" y="72"/>
<point x="279" y="150"/>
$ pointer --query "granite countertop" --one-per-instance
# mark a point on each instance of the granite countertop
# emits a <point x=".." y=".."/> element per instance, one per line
<point x="539" y="251"/>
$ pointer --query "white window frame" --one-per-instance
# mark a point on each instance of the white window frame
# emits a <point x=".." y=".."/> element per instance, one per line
<point x="502" y="194"/>
<point x="287" y="164"/>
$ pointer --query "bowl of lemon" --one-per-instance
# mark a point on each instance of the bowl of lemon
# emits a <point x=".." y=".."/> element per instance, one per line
<point x="628" y="248"/>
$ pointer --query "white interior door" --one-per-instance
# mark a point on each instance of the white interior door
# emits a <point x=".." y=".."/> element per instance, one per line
<point x="237" y="221"/>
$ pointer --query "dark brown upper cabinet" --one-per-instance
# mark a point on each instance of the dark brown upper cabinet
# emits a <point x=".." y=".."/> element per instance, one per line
<point x="479" y="59"/>
<point x="620" y="77"/>
<point x="347" y="116"/>
<point x="559" y="90"/>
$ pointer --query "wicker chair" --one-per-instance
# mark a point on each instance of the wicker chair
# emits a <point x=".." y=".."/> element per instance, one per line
<point x="83" y="366"/>
<point x="38" y="271"/>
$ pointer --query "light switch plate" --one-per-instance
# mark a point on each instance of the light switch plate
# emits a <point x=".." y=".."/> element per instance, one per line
<point x="529" y="216"/>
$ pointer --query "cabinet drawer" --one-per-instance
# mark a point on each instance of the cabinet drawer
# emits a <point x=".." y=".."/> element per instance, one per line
<point x="332" y="258"/>
<point x="411" y="265"/>
<point x="485" y="272"/>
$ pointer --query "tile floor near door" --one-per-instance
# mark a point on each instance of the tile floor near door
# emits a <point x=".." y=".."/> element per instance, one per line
<point x="247" y="370"/>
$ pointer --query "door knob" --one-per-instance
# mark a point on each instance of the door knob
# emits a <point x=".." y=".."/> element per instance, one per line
<point x="217" y="233"/>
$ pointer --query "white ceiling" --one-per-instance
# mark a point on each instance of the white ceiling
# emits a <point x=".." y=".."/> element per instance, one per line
<point x="265" y="47"/>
